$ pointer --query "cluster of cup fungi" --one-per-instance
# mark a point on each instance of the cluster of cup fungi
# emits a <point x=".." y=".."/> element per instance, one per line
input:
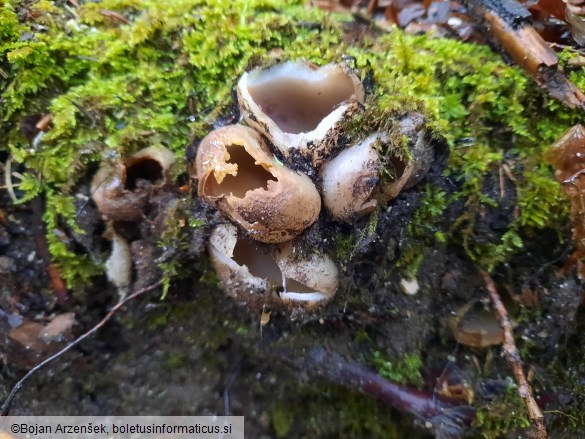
<point x="274" y="174"/>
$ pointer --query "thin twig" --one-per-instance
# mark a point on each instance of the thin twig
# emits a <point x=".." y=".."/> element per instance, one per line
<point x="18" y="386"/>
<point x="502" y="182"/>
<point x="512" y="356"/>
<point x="8" y="180"/>
<point x="114" y="15"/>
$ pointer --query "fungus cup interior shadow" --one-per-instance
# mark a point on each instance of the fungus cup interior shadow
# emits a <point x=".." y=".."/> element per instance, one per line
<point x="263" y="265"/>
<point x="249" y="176"/>
<point x="144" y="169"/>
<point x="398" y="165"/>
<point x="299" y="105"/>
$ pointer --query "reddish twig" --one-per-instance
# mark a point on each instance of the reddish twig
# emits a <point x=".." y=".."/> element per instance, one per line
<point x="8" y="401"/>
<point x="445" y="418"/>
<point x="512" y="356"/>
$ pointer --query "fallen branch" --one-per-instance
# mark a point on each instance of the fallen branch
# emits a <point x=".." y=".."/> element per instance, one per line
<point x="512" y="356"/>
<point x="510" y="28"/>
<point x="4" y="409"/>
<point x="445" y="418"/>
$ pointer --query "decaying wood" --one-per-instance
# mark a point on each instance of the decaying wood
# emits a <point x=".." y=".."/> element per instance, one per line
<point x="512" y="356"/>
<point x="510" y="28"/>
<point x="114" y="15"/>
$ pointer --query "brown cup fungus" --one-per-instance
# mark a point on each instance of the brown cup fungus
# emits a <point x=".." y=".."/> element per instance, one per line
<point x="299" y="107"/>
<point x="374" y="171"/>
<point x="299" y="110"/>
<point x="476" y="326"/>
<point x="240" y="176"/>
<point x="121" y="191"/>
<point x="260" y="275"/>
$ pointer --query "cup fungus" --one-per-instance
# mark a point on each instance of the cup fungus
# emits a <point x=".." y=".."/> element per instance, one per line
<point x="374" y="171"/>
<point x="299" y="106"/>
<point x="475" y="326"/>
<point x="348" y="180"/>
<point x="259" y="275"/>
<point x="300" y="110"/>
<point x="238" y="174"/>
<point x="121" y="191"/>
<point x="309" y="280"/>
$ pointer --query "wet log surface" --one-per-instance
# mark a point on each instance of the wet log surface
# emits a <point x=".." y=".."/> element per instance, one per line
<point x="509" y="26"/>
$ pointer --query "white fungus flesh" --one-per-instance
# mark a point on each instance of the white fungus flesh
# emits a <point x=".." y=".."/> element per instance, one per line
<point x="299" y="106"/>
<point x="238" y="174"/>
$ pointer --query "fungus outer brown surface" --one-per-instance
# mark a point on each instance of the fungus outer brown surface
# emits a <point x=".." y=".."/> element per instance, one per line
<point x="241" y="177"/>
<point x="352" y="182"/>
<point x="121" y="190"/>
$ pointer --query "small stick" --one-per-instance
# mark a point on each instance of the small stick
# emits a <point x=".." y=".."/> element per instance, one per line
<point x="8" y="180"/>
<point x="114" y="15"/>
<point x="44" y="122"/>
<point x="502" y="182"/>
<point x="512" y="356"/>
<point x="8" y="401"/>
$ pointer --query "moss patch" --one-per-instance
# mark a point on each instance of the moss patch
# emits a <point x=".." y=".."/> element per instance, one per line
<point x="124" y="74"/>
<point x="406" y="370"/>
<point x="503" y="415"/>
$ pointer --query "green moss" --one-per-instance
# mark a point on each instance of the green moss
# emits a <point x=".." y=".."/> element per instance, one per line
<point x="331" y="411"/>
<point x="165" y="75"/>
<point x="176" y="361"/>
<point x="282" y="419"/>
<point x="503" y="415"/>
<point x="174" y="243"/>
<point x="405" y="371"/>
<point x="345" y="244"/>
